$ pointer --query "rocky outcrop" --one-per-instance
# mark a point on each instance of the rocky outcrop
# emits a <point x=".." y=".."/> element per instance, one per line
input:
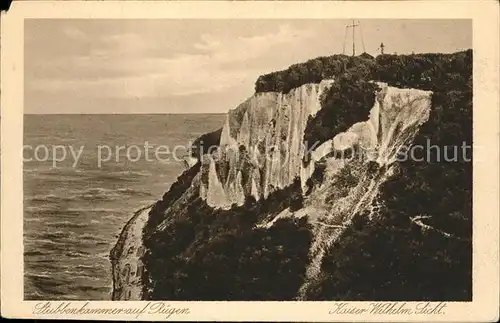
<point x="392" y="123"/>
<point x="261" y="146"/>
<point x="127" y="267"/>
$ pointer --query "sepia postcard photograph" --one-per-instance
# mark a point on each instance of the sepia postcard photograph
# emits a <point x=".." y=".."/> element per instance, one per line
<point x="250" y="160"/>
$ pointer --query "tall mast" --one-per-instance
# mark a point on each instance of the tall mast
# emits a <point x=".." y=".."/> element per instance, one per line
<point x="353" y="43"/>
<point x="353" y="26"/>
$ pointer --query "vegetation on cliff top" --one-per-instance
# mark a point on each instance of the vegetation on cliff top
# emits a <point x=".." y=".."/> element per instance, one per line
<point x="312" y="71"/>
<point x="423" y="71"/>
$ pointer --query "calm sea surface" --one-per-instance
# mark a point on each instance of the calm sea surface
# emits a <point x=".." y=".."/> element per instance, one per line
<point x="73" y="215"/>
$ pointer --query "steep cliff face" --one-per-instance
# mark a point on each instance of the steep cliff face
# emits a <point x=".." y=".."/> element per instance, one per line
<point x="261" y="146"/>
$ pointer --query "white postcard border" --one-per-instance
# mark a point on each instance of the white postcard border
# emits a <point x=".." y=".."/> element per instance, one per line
<point x="484" y="14"/>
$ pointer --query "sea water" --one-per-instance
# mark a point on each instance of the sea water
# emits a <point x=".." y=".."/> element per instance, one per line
<point x="73" y="212"/>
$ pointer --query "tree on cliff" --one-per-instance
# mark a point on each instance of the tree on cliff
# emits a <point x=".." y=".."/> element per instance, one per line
<point x="346" y="102"/>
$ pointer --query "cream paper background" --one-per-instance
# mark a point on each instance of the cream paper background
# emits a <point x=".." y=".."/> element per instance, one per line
<point x="484" y="14"/>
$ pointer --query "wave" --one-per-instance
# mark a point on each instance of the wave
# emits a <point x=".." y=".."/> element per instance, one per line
<point x="103" y="255"/>
<point x="130" y="191"/>
<point x="46" y="198"/>
<point x="53" y="235"/>
<point x="111" y="216"/>
<point x="101" y="289"/>
<point x="40" y="274"/>
<point x="37" y="208"/>
<point x="66" y="224"/>
<point x="34" y="253"/>
<point x="54" y="139"/>
<point x="26" y="219"/>
<point x="77" y="253"/>
<point x="81" y="274"/>
<point x="97" y="193"/>
<point x="108" y="194"/>
<point x="92" y="194"/>
<point x="45" y="242"/>
<point x="39" y="215"/>
<point x="94" y="266"/>
<point x="91" y="209"/>
<point x="40" y="264"/>
<point x="91" y="237"/>
<point x="107" y="191"/>
<point x="110" y="177"/>
<point x="47" y="284"/>
<point x="59" y="175"/>
<point x="131" y="172"/>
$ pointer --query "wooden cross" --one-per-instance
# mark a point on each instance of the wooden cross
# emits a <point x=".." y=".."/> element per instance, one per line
<point x="382" y="48"/>
<point x="353" y="26"/>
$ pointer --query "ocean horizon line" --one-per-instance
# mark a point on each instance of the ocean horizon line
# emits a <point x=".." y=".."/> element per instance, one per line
<point x="112" y="114"/>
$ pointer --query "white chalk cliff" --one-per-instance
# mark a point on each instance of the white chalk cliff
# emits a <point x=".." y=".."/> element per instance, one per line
<point x="261" y="145"/>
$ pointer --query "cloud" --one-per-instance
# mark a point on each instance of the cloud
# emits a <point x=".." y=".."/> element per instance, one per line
<point x="243" y="48"/>
<point x="74" y="33"/>
<point x="122" y="68"/>
<point x="129" y="44"/>
<point x="173" y="81"/>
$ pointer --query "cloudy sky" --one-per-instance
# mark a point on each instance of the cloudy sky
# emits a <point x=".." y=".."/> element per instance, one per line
<point x="193" y="66"/>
